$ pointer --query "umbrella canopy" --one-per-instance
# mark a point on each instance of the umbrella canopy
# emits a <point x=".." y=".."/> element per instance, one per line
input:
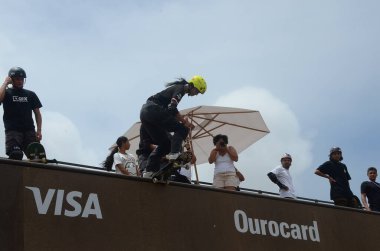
<point x="243" y="128"/>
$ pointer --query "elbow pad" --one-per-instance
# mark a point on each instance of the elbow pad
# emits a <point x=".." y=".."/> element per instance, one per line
<point x="273" y="177"/>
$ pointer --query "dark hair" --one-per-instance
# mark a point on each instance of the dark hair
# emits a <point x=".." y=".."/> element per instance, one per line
<point x="218" y="137"/>
<point x="372" y="169"/>
<point x="107" y="164"/>
<point x="180" y="81"/>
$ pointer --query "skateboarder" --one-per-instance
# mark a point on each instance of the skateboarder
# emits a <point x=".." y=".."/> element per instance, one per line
<point x="18" y="104"/>
<point x="159" y="115"/>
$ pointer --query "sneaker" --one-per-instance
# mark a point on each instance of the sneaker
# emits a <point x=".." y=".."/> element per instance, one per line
<point x="147" y="174"/>
<point x="173" y="156"/>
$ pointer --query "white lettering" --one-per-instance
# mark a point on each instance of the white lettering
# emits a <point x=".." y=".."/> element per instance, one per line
<point x="59" y="202"/>
<point x="20" y="99"/>
<point x="42" y="206"/>
<point x="260" y="226"/>
<point x="88" y="209"/>
<point x="273" y="228"/>
<point x="77" y="207"/>
<point x="74" y="200"/>
<point x="313" y="232"/>
<point x="304" y="229"/>
<point x="284" y="234"/>
<point x="256" y="229"/>
<point x="296" y="233"/>
<point x="243" y="216"/>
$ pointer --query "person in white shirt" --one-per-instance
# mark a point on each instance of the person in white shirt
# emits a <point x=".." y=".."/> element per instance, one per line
<point x="281" y="176"/>
<point x="224" y="157"/>
<point x="120" y="160"/>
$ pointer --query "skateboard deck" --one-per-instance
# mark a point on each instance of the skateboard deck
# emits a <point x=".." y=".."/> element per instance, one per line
<point x="36" y="152"/>
<point x="162" y="176"/>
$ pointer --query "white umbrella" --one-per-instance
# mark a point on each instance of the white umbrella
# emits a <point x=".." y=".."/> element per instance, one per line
<point x="242" y="126"/>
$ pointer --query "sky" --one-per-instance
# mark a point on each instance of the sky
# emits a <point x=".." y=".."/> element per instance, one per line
<point x="309" y="67"/>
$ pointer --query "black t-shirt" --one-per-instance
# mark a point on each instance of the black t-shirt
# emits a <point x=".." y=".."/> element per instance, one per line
<point x="164" y="98"/>
<point x="18" y="105"/>
<point x="372" y="191"/>
<point x="338" y="171"/>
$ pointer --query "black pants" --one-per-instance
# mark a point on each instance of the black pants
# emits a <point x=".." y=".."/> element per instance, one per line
<point x="347" y="202"/>
<point x="158" y="123"/>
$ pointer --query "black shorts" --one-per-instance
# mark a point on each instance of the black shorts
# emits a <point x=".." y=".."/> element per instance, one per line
<point x="20" y="139"/>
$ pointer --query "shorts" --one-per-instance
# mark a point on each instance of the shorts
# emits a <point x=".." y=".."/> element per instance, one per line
<point x="222" y="180"/>
<point x="20" y="139"/>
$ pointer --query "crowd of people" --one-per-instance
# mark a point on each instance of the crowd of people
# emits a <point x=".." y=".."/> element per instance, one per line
<point x="163" y="135"/>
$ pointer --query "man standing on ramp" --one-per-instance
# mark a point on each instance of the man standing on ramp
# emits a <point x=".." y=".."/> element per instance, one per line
<point x="18" y="104"/>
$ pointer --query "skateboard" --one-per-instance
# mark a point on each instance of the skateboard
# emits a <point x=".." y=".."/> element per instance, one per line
<point x="170" y="166"/>
<point x="36" y="152"/>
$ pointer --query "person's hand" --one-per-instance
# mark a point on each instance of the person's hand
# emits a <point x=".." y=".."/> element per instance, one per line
<point x="8" y="81"/>
<point x="331" y="180"/>
<point x="283" y="187"/>
<point x="191" y="126"/>
<point x="39" y="136"/>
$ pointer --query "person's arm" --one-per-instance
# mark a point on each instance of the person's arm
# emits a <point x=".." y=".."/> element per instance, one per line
<point x="319" y="173"/>
<point x="212" y="157"/>
<point x="232" y="152"/>
<point x="3" y="87"/>
<point x="184" y="120"/>
<point x="274" y="179"/>
<point x="364" y="201"/>
<point x="122" y="169"/>
<point x="38" y="117"/>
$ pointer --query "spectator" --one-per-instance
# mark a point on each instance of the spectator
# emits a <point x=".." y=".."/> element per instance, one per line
<point x="224" y="157"/>
<point x="18" y="104"/>
<point x="281" y="176"/>
<point x="337" y="174"/>
<point x="123" y="162"/>
<point x="371" y="190"/>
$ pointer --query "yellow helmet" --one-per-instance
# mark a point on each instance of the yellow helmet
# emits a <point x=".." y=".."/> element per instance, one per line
<point x="199" y="83"/>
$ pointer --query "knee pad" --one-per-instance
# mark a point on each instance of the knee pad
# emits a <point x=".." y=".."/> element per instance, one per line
<point x="16" y="153"/>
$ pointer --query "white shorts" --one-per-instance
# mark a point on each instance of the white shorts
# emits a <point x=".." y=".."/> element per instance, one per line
<point x="222" y="180"/>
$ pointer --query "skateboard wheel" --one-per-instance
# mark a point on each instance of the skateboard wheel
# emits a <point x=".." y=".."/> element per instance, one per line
<point x="155" y="180"/>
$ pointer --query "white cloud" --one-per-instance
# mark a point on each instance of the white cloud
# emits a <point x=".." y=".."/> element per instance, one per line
<point x="285" y="136"/>
<point x="63" y="142"/>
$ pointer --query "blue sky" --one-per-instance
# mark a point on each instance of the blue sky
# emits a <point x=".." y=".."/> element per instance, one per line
<point x="309" y="67"/>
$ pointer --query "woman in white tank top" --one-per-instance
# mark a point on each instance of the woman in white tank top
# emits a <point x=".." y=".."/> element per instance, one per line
<point x="224" y="157"/>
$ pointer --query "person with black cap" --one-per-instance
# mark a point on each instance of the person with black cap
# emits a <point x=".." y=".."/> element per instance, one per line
<point x="19" y="104"/>
<point x="337" y="174"/>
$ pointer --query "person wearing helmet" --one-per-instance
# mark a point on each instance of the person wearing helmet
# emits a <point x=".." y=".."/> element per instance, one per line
<point x="159" y="116"/>
<point x="282" y="178"/>
<point x="337" y="174"/>
<point x="18" y="105"/>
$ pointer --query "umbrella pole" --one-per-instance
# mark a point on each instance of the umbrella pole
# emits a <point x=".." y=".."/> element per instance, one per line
<point x="195" y="164"/>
